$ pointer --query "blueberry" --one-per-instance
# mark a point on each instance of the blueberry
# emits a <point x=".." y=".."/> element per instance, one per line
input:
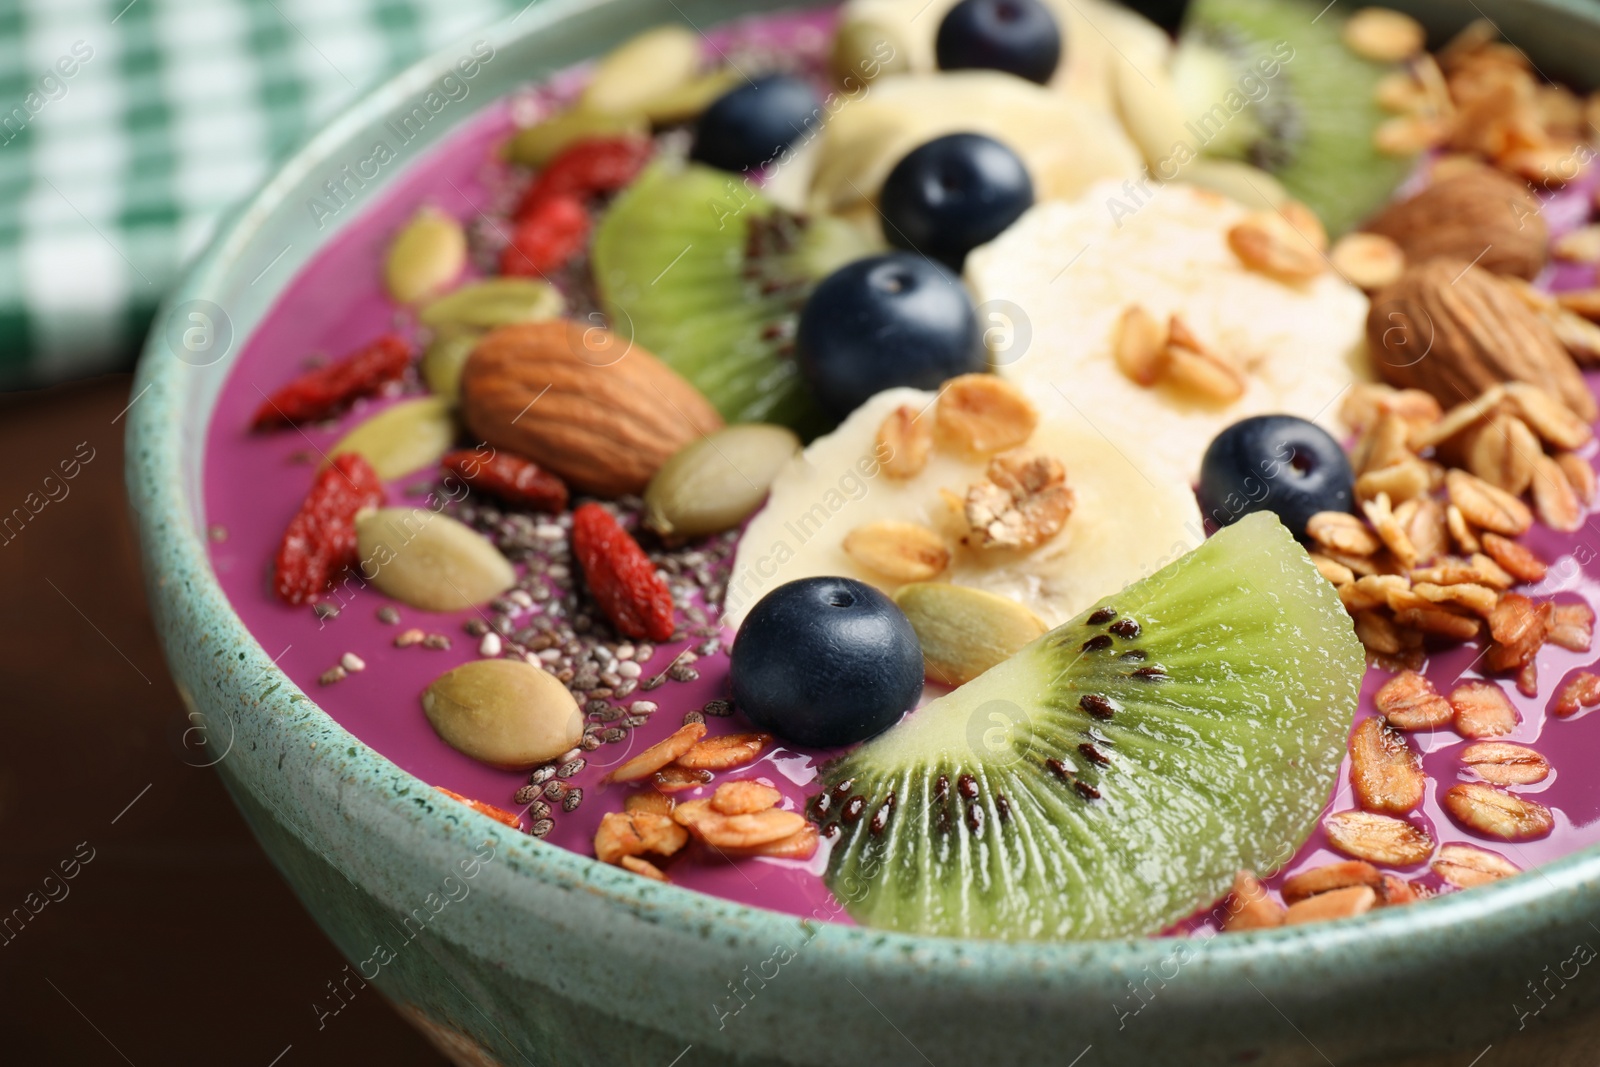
<point x="893" y="319"/>
<point x="952" y="194"/>
<point x="826" y="662"/>
<point x="749" y="126"/>
<point x="1276" y="463"/>
<point x="1020" y="37"/>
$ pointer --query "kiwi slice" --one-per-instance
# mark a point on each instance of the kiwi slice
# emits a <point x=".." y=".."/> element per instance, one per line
<point x="1110" y="778"/>
<point x="709" y="275"/>
<point x="1311" y="124"/>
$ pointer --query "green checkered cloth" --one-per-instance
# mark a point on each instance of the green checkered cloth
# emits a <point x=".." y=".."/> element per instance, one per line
<point x="126" y="129"/>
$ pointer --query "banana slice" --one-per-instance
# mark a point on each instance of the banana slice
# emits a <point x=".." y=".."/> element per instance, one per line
<point x="1097" y="38"/>
<point x="1069" y="270"/>
<point x="1066" y="144"/>
<point x="1123" y="526"/>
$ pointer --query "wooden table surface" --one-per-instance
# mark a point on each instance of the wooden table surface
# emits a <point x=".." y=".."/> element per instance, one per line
<point x="176" y="942"/>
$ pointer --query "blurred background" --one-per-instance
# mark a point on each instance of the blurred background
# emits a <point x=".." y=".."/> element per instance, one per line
<point x="127" y="131"/>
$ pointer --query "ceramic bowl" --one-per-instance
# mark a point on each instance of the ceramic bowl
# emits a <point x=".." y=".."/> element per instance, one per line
<point x="509" y="951"/>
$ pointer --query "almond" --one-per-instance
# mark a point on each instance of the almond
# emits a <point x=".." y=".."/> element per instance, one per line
<point x="1475" y="213"/>
<point x="1385" y="772"/>
<point x="1455" y="329"/>
<point x="901" y="551"/>
<point x="597" y="410"/>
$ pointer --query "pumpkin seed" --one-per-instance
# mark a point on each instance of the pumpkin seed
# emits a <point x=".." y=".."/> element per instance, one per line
<point x="402" y="439"/>
<point x="965" y="631"/>
<point x="443" y="360"/>
<point x="426" y="256"/>
<point x="717" y="481"/>
<point x="864" y="52"/>
<point x="639" y="70"/>
<point x="688" y="100"/>
<point x="430" y="561"/>
<point x="503" y="712"/>
<point x="539" y="144"/>
<point x="495" y="302"/>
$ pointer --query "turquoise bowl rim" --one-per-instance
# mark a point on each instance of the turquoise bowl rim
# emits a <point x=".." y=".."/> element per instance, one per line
<point x="162" y="485"/>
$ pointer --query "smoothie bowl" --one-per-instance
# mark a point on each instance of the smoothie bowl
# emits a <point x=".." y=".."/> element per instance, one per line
<point x="914" y="532"/>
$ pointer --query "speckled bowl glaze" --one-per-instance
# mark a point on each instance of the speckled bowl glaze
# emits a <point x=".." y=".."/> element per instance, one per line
<point x="509" y="951"/>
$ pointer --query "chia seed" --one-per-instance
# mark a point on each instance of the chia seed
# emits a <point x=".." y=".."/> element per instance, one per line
<point x="333" y="674"/>
<point x="571" y="767"/>
<point x="538" y="809"/>
<point x="629" y="669"/>
<point x="679" y="672"/>
<point x="590" y="742"/>
<point x="490" y="646"/>
<point x="438" y="642"/>
<point x="324" y="610"/>
<point x="614" y="734"/>
<point x="627" y="686"/>
<point x="601" y="692"/>
<point x="644" y="707"/>
<point x="542" y="827"/>
<point x="572" y="800"/>
<point x="388" y="615"/>
<point x="407" y="638"/>
<point x="655" y="682"/>
<point x="692" y="717"/>
<point x="475" y="627"/>
<point x="525" y="796"/>
<point x="719" y="709"/>
<point x="554" y="790"/>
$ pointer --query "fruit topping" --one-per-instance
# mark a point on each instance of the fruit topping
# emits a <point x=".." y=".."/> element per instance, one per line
<point x="328" y="390"/>
<point x="706" y="273"/>
<point x="547" y="236"/>
<point x="1314" y="127"/>
<point x="754" y="123"/>
<point x="321" y="538"/>
<point x="609" y="414"/>
<point x="885" y="465"/>
<point x="1103" y="796"/>
<point x="515" y="481"/>
<point x="620" y="577"/>
<point x="888" y="320"/>
<point x="716" y="482"/>
<point x="825" y="662"/>
<point x="1237" y="341"/>
<point x="1288" y="466"/>
<point x="1020" y="37"/>
<point x="954" y="193"/>
<point x="430" y="561"/>
<point x="503" y="712"/>
<point x="589" y="167"/>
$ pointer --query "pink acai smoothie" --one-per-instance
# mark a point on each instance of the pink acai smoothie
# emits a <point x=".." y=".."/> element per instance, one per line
<point x="254" y="482"/>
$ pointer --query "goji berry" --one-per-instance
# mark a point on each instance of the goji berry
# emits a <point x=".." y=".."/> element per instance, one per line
<point x="511" y="478"/>
<point x="547" y="237"/>
<point x="596" y="165"/>
<point x="620" y="576"/>
<point x="497" y="814"/>
<point x="329" y="390"/>
<point x="321" y="538"/>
